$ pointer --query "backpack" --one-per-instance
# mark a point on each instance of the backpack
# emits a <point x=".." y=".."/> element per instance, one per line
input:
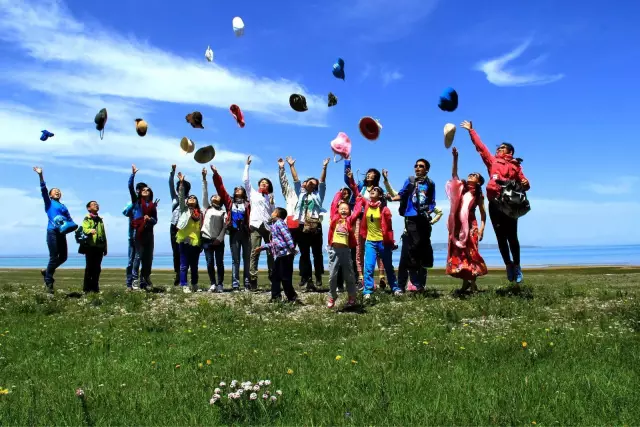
<point x="409" y="193"/>
<point x="512" y="200"/>
<point x="81" y="237"/>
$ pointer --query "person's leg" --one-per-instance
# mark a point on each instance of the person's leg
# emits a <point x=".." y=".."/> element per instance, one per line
<point x="287" y="277"/>
<point x="347" y="269"/>
<point x="403" y="272"/>
<point x="130" y="257"/>
<point x="419" y="278"/>
<point x="175" y="250"/>
<point x="236" y="244"/>
<point x="208" y="250"/>
<point x="370" y="255"/>
<point x="266" y="237"/>
<point x="381" y="276"/>
<point x="246" y="256"/>
<point x="304" y="261"/>
<point x="149" y="246"/>
<point x="318" y="257"/>
<point x="218" y="253"/>
<point x="184" y="263"/>
<point x="386" y="254"/>
<point x="86" y="283"/>
<point x="135" y="271"/>
<point x="360" y="245"/>
<point x="514" y="246"/>
<point x="334" y="269"/>
<point x="97" y="269"/>
<point x="339" y="278"/>
<point x="194" y="260"/>
<point x="276" y="279"/>
<point x="500" y="228"/>
<point x="256" y="241"/>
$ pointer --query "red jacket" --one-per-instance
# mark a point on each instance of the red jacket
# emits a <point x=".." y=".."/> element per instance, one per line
<point x="228" y="201"/>
<point x="503" y="167"/>
<point x="385" y="220"/>
<point x="350" y="226"/>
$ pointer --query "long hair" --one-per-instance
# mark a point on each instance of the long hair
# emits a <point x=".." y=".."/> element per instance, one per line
<point x="376" y="177"/>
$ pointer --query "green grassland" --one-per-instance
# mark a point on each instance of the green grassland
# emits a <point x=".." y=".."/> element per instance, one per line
<point x="565" y="350"/>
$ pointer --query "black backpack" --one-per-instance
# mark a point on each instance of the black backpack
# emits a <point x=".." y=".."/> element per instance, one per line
<point x="409" y="193"/>
<point x="512" y="200"/>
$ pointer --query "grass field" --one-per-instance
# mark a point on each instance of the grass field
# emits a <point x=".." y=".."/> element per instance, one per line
<point x="564" y="351"/>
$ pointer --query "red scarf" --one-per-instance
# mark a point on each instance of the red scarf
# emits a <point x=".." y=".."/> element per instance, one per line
<point x="195" y="214"/>
<point x="374" y="204"/>
<point x="264" y="191"/>
<point x="139" y="224"/>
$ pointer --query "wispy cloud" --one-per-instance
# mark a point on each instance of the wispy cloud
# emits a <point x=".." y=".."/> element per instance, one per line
<point x="497" y="72"/>
<point x="385" y="20"/>
<point x="386" y="74"/>
<point x="390" y="76"/>
<point x="63" y="55"/>
<point x="622" y="185"/>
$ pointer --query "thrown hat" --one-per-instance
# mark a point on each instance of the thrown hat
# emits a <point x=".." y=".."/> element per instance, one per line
<point x="45" y="135"/>
<point x="141" y="127"/>
<point x="370" y="128"/>
<point x="205" y="154"/>
<point x="238" y="26"/>
<point x="101" y="121"/>
<point x="195" y="119"/>
<point x="448" y="100"/>
<point x="186" y="145"/>
<point x="237" y="114"/>
<point x="449" y="133"/>
<point x="338" y="69"/>
<point x="208" y="54"/>
<point x="341" y="146"/>
<point x="332" y="100"/>
<point x="298" y="103"/>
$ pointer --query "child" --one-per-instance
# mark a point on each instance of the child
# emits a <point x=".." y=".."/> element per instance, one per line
<point x="377" y="230"/>
<point x="144" y="218"/>
<point x="188" y="236"/>
<point x="94" y="247"/>
<point x="214" y="227"/>
<point x="342" y="240"/>
<point x="463" y="259"/>
<point x="282" y="249"/>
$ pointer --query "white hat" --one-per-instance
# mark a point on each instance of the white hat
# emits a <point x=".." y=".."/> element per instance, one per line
<point x="209" y="54"/>
<point x="238" y="26"/>
<point x="187" y="146"/>
<point x="449" y="133"/>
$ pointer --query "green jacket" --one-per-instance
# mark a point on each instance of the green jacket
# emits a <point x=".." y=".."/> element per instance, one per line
<point x="98" y="240"/>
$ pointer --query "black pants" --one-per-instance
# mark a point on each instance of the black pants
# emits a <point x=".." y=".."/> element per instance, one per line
<point x="340" y="279"/>
<point x="175" y="250"/>
<point x="282" y="274"/>
<point x="506" y="229"/>
<point x="57" y="244"/>
<point x="145" y="247"/>
<point x="309" y="243"/>
<point x="403" y="271"/>
<point x="93" y="267"/>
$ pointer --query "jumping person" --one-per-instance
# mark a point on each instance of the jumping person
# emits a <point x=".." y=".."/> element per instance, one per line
<point x="175" y="213"/>
<point x="95" y="247"/>
<point x="144" y="218"/>
<point x="188" y="236"/>
<point x="214" y="227"/>
<point x="502" y="167"/>
<point x="56" y="241"/>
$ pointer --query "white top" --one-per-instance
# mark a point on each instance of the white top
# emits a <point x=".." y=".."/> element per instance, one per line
<point x="262" y="205"/>
<point x="214" y="224"/>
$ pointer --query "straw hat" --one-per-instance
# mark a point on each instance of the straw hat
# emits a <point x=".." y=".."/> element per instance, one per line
<point x="449" y="133"/>
<point x="141" y="127"/>
<point x="187" y="146"/>
<point x="205" y="154"/>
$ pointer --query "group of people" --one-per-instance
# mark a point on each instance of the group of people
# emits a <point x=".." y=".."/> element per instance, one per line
<point x="360" y="231"/>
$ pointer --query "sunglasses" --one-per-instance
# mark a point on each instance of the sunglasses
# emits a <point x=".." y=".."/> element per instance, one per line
<point x="419" y="166"/>
<point x="145" y="189"/>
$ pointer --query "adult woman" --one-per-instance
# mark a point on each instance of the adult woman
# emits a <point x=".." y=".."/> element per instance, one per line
<point x="463" y="259"/>
<point x="188" y="236"/>
<point x="502" y="167"/>
<point x="56" y="241"/>
<point x="214" y="227"/>
<point x="175" y="213"/>
<point x="371" y="180"/>
<point x="144" y="218"/>
<point x="308" y="212"/>
<point x="238" y="213"/>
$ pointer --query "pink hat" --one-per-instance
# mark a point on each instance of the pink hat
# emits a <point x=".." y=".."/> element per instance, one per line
<point x="341" y="146"/>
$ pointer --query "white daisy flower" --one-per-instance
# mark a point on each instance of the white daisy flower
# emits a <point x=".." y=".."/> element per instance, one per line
<point x="253" y="396"/>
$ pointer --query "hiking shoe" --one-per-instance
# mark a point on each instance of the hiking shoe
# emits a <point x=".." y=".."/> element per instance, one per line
<point x="186" y="290"/>
<point x="310" y="287"/>
<point x="331" y="303"/>
<point x="517" y="272"/>
<point x="351" y="302"/>
<point x="212" y="288"/>
<point x="235" y="288"/>
<point x="397" y="293"/>
<point x="366" y="296"/>
<point x="511" y="274"/>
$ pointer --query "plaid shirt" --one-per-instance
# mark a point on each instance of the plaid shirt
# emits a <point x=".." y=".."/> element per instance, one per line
<point x="281" y="241"/>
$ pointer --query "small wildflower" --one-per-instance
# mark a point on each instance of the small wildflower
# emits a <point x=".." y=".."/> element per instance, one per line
<point x="338" y="357"/>
<point x="290" y="371"/>
<point x="213" y="401"/>
<point x="265" y="396"/>
<point x="240" y="391"/>
<point x="533" y="423"/>
<point x="253" y="396"/>
<point x="123" y="385"/>
<point x="204" y="326"/>
<point x="353" y="362"/>
<point x="279" y="392"/>
<point x="524" y="344"/>
<point x="80" y="393"/>
<point x="4" y="391"/>
<point x="547" y="329"/>
<point x="230" y="396"/>
<point x="234" y="383"/>
<point x="465" y="325"/>
<point x="267" y="382"/>
<point x="178" y="366"/>
<point x="261" y="383"/>
<point x="200" y="365"/>
<point x="217" y="391"/>
<point x="461" y="348"/>
<point x="208" y="361"/>
<point x="223" y="384"/>
<point x="256" y="387"/>
<point x="425" y="342"/>
<point x="273" y="398"/>
<point x="550" y="344"/>
<point x="188" y="331"/>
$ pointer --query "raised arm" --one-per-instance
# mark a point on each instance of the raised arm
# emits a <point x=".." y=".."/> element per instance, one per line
<point x="205" y="190"/>
<point x="322" y="186"/>
<point x="284" y="182"/>
<point x="387" y="185"/>
<point x="132" y="191"/>
<point x="485" y="154"/>
<point x="183" y="205"/>
<point x="246" y="180"/>
<point x="352" y="184"/>
<point x="172" y="188"/>
<point x="347" y="169"/>
<point x="454" y="167"/>
<point x="43" y="188"/>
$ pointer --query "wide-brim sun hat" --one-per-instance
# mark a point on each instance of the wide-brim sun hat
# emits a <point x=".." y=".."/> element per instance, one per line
<point x="205" y="154"/>
<point x="187" y="146"/>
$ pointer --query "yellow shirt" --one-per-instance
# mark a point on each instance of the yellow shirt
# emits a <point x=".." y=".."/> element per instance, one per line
<point x="190" y="234"/>
<point x="374" y="224"/>
<point x="341" y="233"/>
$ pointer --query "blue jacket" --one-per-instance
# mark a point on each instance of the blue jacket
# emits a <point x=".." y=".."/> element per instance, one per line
<point x="128" y="212"/>
<point x="53" y="208"/>
<point x="418" y="195"/>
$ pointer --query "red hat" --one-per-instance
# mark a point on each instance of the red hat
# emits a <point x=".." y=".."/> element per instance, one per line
<point x="236" y="112"/>
<point x="370" y="128"/>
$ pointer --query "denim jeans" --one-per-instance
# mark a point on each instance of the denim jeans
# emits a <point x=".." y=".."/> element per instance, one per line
<point x="214" y="255"/>
<point x="92" y="269"/>
<point x="189" y="257"/>
<point x="240" y="242"/>
<point x="144" y="249"/>
<point x="58" y="253"/>
<point x="372" y="251"/>
<point x="133" y="264"/>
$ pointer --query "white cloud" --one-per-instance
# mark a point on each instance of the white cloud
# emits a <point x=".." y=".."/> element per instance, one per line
<point x="390" y="76"/>
<point x="497" y="72"/>
<point x="384" y="72"/>
<point x="66" y="56"/>
<point x="622" y="185"/>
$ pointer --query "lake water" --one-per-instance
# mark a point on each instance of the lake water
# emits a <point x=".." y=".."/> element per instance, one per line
<point x="531" y="257"/>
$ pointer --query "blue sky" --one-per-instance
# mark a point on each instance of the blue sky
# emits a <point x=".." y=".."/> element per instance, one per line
<point x="540" y="76"/>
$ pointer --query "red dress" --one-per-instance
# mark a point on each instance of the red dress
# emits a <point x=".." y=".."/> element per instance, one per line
<point x="463" y="259"/>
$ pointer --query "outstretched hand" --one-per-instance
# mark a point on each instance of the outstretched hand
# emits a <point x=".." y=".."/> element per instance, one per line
<point x="249" y="160"/>
<point x="156" y="202"/>
<point x="280" y="163"/>
<point x="349" y="174"/>
<point x="214" y="170"/>
<point x="291" y="160"/>
<point x="454" y="152"/>
<point x="134" y="169"/>
<point x="204" y="173"/>
<point x="173" y="168"/>
<point x="325" y="162"/>
<point x="385" y="174"/>
<point x="467" y="125"/>
<point x="181" y="177"/>
<point x="37" y="170"/>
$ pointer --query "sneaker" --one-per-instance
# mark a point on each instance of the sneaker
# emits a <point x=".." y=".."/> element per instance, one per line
<point x="331" y="303"/>
<point x="134" y="287"/>
<point x="318" y="283"/>
<point x="351" y="302"/>
<point x="366" y="296"/>
<point x="235" y="288"/>
<point x="212" y="288"/>
<point x="518" y="274"/>
<point x="383" y="283"/>
<point x="186" y="290"/>
<point x="360" y="284"/>
<point x="397" y="293"/>
<point x="220" y="289"/>
<point x="510" y="273"/>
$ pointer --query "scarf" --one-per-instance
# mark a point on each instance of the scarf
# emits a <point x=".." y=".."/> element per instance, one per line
<point x="195" y="214"/>
<point x="264" y="191"/>
<point x="458" y="223"/>
<point x="374" y="204"/>
<point x="308" y="204"/>
<point x="139" y="224"/>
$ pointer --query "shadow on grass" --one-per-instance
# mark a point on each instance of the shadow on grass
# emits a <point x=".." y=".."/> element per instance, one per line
<point x="524" y="292"/>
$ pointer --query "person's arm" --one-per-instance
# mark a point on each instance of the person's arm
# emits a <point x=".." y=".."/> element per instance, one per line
<point x="387" y="185"/>
<point x="483" y="218"/>
<point x="454" y="167"/>
<point x="43" y="188"/>
<point x="223" y="231"/>
<point x="526" y="185"/>
<point x="400" y="193"/>
<point x="438" y="213"/>
<point x="132" y="191"/>
<point x="127" y="209"/>
<point x="222" y="192"/>
<point x="246" y="179"/>
<point x="172" y="188"/>
<point x="284" y="182"/>
<point x="287" y="237"/>
<point x="86" y="225"/>
<point x="205" y="190"/>
<point x="322" y="186"/>
<point x="297" y="187"/>
<point x="153" y="219"/>
<point x="183" y="205"/>
<point x="355" y="192"/>
<point x="347" y="169"/>
<point x="485" y="154"/>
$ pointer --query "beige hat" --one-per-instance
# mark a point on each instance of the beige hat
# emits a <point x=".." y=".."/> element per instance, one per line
<point x="449" y="133"/>
<point x="187" y="146"/>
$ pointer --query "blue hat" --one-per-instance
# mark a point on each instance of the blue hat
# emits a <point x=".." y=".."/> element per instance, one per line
<point x="45" y="135"/>
<point x="338" y="69"/>
<point x="448" y="100"/>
